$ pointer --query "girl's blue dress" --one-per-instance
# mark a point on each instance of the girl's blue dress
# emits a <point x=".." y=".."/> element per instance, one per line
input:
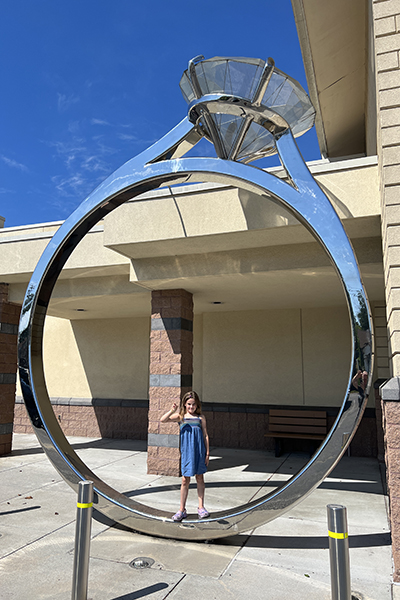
<point x="193" y="448"/>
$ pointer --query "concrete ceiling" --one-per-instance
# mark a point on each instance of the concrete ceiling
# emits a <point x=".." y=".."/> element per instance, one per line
<point x="291" y="276"/>
<point x="294" y="288"/>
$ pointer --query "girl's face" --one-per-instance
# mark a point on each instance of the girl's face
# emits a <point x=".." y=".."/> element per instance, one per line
<point x="191" y="406"/>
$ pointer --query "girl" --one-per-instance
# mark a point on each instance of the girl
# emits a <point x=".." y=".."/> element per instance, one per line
<point x="195" y="449"/>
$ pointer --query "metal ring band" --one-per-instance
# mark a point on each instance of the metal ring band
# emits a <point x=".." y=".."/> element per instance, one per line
<point x="308" y="203"/>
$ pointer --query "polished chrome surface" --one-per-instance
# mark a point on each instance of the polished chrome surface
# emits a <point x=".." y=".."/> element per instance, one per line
<point x="264" y="81"/>
<point x="235" y="103"/>
<point x="193" y="76"/>
<point x="83" y="530"/>
<point x="158" y="166"/>
<point x="245" y="115"/>
<point x="339" y="552"/>
<point x="235" y="106"/>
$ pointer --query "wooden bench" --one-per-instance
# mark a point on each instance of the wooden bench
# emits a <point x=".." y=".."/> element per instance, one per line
<point x="297" y="424"/>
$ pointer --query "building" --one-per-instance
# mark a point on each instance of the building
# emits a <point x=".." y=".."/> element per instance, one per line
<point x="236" y="278"/>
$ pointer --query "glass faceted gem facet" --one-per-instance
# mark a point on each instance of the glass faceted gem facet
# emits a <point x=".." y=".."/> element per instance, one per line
<point x="234" y="76"/>
<point x="239" y="80"/>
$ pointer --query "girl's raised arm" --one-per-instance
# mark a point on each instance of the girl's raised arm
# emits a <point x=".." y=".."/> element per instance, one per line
<point x="171" y="415"/>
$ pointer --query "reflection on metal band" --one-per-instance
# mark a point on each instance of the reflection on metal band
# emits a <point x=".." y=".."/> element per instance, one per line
<point x="160" y="165"/>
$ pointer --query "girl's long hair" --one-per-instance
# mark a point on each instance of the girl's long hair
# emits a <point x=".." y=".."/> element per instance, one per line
<point x="186" y="397"/>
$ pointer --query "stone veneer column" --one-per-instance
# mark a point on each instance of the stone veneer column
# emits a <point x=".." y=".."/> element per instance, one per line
<point x="386" y="24"/>
<point x="390" y="393"/>
<point x="9" y="317"/>
<point x="171" y="368"/>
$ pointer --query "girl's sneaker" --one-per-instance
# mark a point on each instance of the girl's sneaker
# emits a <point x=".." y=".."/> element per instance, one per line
<point x="181" y="514"/>
<point x="203" y="513"/>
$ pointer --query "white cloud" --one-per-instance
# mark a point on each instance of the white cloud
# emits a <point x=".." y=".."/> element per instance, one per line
<point x="99" y="122"/>
<point x="69" y="186"/>
<point x="73" y="127"/>
<point x="64" y="102"/>
<point x="94" y="163"/>
<point x="86" y="166"/>
<point x="13" y="163"/>
<point x="105" y="150"/>
<point x="69" y="151"/>
<point x="127" y="136"/>
<point x="83" y="160"/>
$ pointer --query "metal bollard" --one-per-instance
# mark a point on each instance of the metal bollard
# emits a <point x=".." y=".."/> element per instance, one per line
<point x="82" y="540"/>
<point x="339" y="552"/>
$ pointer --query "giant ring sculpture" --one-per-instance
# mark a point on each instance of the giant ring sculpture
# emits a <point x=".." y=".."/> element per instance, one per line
<point x="248" y="109"/>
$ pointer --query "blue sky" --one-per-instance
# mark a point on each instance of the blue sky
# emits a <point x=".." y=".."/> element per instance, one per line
<point x="89" y="84"/>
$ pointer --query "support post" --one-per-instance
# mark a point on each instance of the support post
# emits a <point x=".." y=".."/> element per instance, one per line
<point x="339" y="552"/>
<point x="82" y="540"/>
<point x="9" y="316"/>
<point x="390" y="394"/>
<point x="171" y="369"/>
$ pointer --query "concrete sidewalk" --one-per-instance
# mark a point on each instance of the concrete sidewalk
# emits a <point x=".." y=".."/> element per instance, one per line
<point x="287" y="558"/>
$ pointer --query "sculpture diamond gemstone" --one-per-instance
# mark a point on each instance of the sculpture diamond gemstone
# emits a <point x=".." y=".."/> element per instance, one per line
<point x="240" y="81"/>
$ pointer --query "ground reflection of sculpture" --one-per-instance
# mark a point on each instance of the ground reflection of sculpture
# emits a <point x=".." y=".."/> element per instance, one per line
<point x="195" y="449"/>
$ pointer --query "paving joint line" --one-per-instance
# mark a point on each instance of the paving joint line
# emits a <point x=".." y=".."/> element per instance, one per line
<point x="176" y="585"/>
<point x="237" y="554"/>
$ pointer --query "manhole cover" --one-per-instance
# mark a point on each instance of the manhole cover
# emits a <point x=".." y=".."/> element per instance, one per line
<point x="143" y="562"/>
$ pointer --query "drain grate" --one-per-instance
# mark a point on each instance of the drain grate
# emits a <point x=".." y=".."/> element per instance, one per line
<point x="142" y="562"/>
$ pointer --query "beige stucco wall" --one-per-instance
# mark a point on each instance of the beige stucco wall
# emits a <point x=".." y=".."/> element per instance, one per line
<point x="102" y="358"/>
<point x="326" y="354"/>
<point x="250" y="356"/>
<point x="278" y="356"/>
<point x="22" y="247"/>
<point x="162" y="222"/>
<point x="198" y="327"/>
<point x="353" y="192"/>
<point x="274" y="356"/>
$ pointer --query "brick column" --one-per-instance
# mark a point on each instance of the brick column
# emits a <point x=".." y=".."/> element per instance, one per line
<point x="9" y="317"/>
<point x="171" y="368"/>
<point x="390" y="393"/>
